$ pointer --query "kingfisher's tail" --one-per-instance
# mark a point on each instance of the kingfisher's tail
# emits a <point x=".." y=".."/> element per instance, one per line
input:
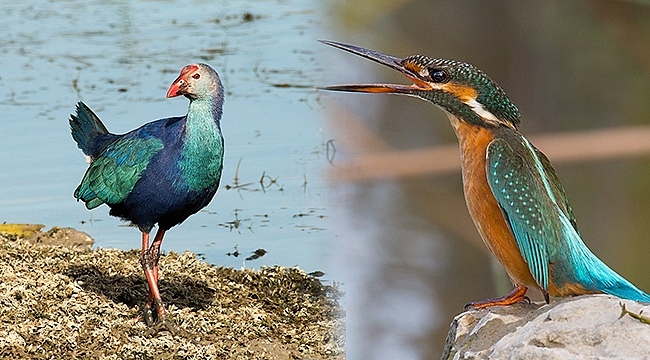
<point x="575" y="264"/>
<point x="618" y="286"/>
<point x="594" y="275"/>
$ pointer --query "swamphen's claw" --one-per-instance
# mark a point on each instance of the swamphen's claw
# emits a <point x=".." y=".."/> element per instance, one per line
<point x="149" y="316"/>
<point x="163" y="324"/>
<point x="155" y="316"/>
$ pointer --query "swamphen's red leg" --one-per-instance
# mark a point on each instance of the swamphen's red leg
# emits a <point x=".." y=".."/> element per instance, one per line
<point x="149" y="257"/>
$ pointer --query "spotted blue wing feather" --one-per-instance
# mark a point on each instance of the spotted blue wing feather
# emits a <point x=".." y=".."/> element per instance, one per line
<point x="556" y="187"/>
<point x="525" y="205"/>
<point x="542" y="223"/>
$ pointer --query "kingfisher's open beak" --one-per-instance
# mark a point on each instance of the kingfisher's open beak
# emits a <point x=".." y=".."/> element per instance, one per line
<point x="387" y="60"/>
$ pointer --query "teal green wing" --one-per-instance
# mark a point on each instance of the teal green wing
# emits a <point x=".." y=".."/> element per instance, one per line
<point x="540" y="218"/>
<point x="113" y="174"/>
<point x="556" y="188"/>
<point x="517" y="180"/>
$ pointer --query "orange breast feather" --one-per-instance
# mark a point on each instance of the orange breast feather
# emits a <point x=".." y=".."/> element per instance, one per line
<point x="482" y="205"/>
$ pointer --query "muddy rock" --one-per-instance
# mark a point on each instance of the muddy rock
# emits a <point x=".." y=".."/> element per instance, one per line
<point x="67" y="237"/>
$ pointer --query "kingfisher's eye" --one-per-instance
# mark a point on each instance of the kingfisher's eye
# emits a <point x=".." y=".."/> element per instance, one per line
<point x="196" y="76"/>
<point x="438" y="75"/>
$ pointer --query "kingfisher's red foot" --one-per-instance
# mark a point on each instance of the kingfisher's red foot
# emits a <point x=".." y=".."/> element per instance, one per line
<point x="516" y="295"/>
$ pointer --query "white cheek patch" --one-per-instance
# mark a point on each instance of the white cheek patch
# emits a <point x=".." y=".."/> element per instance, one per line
<point x="478" y="108"/>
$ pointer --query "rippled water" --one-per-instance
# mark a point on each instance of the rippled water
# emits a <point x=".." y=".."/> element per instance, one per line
<point x="119" y="57"/>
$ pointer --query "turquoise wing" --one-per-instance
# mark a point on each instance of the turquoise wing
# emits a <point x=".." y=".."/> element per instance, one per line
<point x="556" y="188"/>
<point x="541" y="220"/>
<point x="113" y="174"/>
<point x="526" y="198"/>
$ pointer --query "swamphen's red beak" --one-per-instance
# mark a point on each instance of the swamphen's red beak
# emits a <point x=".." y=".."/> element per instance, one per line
<point x="179" y="86"/>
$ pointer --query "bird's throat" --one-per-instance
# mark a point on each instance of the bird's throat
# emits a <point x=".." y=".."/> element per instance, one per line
<point x="202" y="154"/>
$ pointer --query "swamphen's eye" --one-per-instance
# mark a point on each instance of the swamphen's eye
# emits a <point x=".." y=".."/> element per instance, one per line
<point x="438" y="75"/>
<point x="196" y="76"/>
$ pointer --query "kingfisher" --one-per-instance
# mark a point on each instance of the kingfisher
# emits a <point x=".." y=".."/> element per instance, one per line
<point x="512" y="192"/>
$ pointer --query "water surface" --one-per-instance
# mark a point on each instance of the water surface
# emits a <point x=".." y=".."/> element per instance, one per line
<point x="119" y="57"/>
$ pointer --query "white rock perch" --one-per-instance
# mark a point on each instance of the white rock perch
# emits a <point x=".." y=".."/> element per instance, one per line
<point x="584" y="327"/>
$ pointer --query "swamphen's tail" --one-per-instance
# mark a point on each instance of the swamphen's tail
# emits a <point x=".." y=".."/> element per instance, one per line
<point x="88" y="131"/>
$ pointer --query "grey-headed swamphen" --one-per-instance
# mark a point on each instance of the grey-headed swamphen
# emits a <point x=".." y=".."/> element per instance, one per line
<point x="160" y="173"/>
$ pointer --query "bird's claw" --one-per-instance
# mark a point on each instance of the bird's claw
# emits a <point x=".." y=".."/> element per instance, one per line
<point x="479" y="305"/>
<point x="163" y="324"/>
<point x="516" y="295"/>
<point x="169" y="325"/>
<point x="157" y="319"/>
<point x="149" y="316"/>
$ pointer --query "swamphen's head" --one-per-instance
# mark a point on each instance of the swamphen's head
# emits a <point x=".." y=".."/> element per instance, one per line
<point x="196" y="81"/>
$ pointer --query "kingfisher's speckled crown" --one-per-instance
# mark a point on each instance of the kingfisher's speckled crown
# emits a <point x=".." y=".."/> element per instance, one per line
<point x="462" y="90"/>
